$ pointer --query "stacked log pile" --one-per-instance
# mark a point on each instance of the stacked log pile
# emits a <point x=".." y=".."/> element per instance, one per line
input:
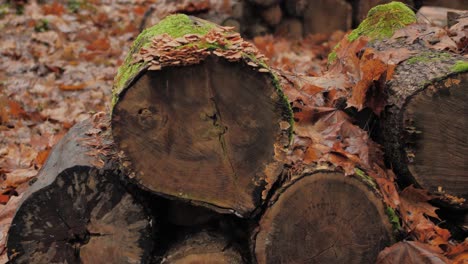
<point x="212" y="156"/>
<point x="287" y="18"/>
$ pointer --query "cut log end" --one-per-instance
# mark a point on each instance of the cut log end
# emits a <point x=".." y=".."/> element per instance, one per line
<point x="203" y="248"/>
<point x="324" y="218"/>
<point x="84" y="216"/>
<point x="202" y="132"/>
<point x="436" y="143"/>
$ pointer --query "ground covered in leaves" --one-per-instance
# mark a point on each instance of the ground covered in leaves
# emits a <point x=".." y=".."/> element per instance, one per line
<point x="58" y="63"/>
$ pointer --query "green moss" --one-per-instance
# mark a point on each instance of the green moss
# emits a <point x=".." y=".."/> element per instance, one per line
<point x="394" y="219"/>
<point x="426" y="57"/>
<point x="175" y="26"/>
<point x="332" y="56"/>
<point x="460" y="66"/>
<point x="365" y="178"/>
<point x="383" y="20"/>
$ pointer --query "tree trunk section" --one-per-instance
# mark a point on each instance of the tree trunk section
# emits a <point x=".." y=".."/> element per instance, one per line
<point x="324" y="217"/>
<point x="78" y="211"/>
<point x="203" y="248"/>
<point x="208" y="131"/>
<point x="424" y="125"/>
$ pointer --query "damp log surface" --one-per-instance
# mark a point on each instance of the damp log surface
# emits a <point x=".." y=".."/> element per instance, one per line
<point x="425" y="124"/>
<point x="324" y="218"/>
<point x="78" y="213"/>
<point x="202" y="132"/>
<point x="203" y="247"/>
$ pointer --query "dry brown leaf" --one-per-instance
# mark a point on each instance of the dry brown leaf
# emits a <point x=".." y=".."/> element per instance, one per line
<point x="411" y="252"/>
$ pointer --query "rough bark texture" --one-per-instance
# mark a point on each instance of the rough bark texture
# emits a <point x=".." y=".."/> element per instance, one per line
<point x="324" y="217"/>
<point x="424" y="123"/>
<point x="79" y="212"/>
<point x="203" y="247"/>
<point x="209" y="131"/>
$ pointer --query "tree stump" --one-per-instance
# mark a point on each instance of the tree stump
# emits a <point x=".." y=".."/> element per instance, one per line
<point x="199" y="115"/>
<point x="324" y="217"/>
<point x="77" y="211"/>
<point x="203" y="247"/>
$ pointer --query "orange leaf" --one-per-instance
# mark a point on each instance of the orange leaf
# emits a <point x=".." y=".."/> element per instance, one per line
<point x="53" y="9"/>
<point x="4" y="198"/>
<point x="42" y="157"/>
<point x="99" y="44"/>
<point x="65" y="87"/>
<point x="15" y="109"/>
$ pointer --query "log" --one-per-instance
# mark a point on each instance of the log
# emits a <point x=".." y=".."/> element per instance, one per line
<point x="325" y="16"/>
<point x="203" y="247"/>
<point x="78" y="211"/>
<point x="272" y="15"/>
<point x="417" y="91"/>
<point x="295" y="7"/>
<point x="456" y="4"/>
<point x="290" y="28"/>
<point x="324" y="217"/>
<point x="199" y="116"/>
<point x="424" y="126"/>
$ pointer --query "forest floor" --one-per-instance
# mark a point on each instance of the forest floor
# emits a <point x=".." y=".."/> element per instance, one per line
<point x="58" y="63"/>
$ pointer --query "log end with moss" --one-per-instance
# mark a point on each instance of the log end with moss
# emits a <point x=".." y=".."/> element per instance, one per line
<point x="200" y="116"/>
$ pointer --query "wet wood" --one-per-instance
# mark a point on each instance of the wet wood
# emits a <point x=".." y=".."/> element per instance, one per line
<point x="324" y="217"/>
<point x="203" y="247"/>
<point x="80" y="212"/>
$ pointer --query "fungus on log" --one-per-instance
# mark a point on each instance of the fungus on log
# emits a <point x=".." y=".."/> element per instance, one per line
<point x="424" y="124"/>
<point x="77" y="211"/>
<point x="203" y="247"/>
<point x="199" y="116"/>
<point x="324" y="217"/>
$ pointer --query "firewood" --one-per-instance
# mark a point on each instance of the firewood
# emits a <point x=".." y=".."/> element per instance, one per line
<point x="203" y="247"/>
<point x="198" y="116"/>
<point x="324" y="217"/>
<point x="78" y="210"/>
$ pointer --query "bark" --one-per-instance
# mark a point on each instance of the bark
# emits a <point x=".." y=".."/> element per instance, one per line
<point x="79" y="210"/>
<point x="324" y="217"/>
<point x="203" y="247"/>
<point x="424" y="126"/>
<point x="206" y="126"/>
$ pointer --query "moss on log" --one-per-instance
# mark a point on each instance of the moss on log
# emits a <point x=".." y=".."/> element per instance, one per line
<point x="200" y="116"/>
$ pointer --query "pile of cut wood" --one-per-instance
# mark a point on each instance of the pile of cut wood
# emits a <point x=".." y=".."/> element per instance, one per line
<point x="289" y="18"/>
<point x="209" y="155"/>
